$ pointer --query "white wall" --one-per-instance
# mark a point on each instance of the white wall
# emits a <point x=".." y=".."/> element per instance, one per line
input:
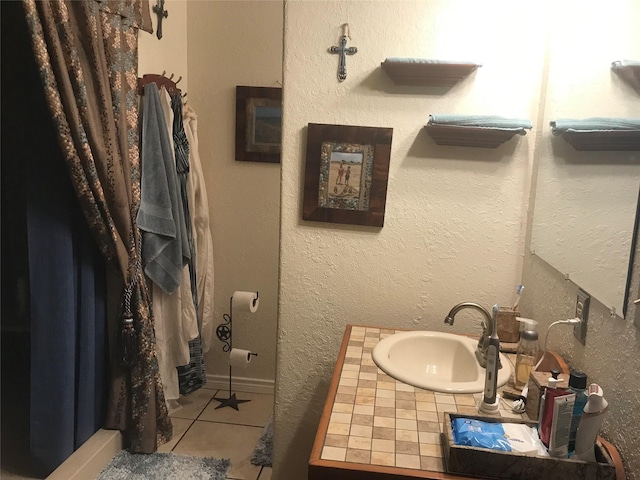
<point x="170" y="52"/>
<point x="238" y="43"/>
<point x="455" y="217"/>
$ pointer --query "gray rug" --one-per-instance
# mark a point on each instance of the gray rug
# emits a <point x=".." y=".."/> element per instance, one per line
<point x="163" y="466"/>
<point x="264" y="448"/>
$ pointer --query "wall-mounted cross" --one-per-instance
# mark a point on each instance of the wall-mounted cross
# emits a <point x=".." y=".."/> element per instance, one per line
<point x="342" y="50"/>
<point x="162" y="13"/>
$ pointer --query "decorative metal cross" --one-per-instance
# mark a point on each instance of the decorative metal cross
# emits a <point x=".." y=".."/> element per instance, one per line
<point x="162" y="13"/>
<point x="342" y="50"/>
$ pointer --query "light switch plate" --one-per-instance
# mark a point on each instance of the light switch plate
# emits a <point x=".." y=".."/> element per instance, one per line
<point x="582" y="312"/>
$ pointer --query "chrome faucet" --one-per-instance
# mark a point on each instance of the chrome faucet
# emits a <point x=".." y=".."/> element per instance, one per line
<point x="489" y="328"/>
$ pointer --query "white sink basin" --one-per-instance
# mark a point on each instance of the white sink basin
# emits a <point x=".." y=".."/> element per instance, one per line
<point x="438" y="361"/>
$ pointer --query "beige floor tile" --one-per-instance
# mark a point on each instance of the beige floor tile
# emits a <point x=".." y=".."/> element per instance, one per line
<point x="265" y="474"/>
<point x="193" y="404"/>
<point x="180" y="426"/>
<point x="220" y="440"/>
<point x="254" y="413"/>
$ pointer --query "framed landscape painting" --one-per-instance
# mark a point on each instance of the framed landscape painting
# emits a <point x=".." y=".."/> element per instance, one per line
<point x="346" y="174"/>
<point x="258" y="124"/>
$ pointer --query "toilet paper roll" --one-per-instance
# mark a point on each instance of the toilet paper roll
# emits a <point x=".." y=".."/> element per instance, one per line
<point x="245" y="301"/>
<point x="239" y="357"/>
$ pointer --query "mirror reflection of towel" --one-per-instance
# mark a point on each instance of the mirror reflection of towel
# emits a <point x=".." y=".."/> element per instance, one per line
<point x="595" y="124"/>
<point x="624" y="64"/>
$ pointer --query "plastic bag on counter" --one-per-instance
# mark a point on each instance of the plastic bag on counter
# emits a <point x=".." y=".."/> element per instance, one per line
<point x="506" y="437"/>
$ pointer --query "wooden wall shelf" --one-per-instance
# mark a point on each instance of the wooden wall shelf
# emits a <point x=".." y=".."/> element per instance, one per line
<point x="420" y="72"/>
<point x="613" y="140"/>
<point x="629" y="71"/>
<point x="469" y="136"/>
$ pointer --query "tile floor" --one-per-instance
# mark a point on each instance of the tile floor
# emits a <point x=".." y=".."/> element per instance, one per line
<point x="202" y="430"/>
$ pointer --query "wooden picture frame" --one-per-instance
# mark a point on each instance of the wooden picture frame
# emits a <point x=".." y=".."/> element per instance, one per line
<point x="346" y="174"/>
<point x="258" y="124"/>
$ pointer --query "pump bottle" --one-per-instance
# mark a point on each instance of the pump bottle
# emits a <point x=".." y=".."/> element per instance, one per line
<point x="527" y="351"/>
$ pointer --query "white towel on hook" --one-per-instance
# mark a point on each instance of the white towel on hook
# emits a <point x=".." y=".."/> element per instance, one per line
<point x="199" y="204"/>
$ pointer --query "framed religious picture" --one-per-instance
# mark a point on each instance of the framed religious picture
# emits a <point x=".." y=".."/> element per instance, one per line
<point x="258" y="124"/>
<point x="346" y="174"/>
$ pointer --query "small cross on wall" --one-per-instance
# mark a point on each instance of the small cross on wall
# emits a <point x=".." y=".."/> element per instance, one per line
<point x="162" y="13"/>
<point x="343" y="51"/>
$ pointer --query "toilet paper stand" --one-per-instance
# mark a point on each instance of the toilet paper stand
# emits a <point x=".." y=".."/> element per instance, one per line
<point x="224" y="332"/>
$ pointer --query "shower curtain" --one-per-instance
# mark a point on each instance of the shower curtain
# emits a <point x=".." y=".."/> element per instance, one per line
<point x="67" y="298"/>
<point x="86" y="52"/>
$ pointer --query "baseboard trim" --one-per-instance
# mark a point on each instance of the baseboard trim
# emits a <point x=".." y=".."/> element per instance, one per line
<point x="91" y="458"/>
<point x="241" y="384"/>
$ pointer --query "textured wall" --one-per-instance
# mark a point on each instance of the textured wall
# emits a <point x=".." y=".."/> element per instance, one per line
<point x="610" y="358"/>
<point x="238" y="43"/>
<point x="455" y="218"/>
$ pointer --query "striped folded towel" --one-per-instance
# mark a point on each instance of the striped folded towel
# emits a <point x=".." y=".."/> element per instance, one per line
<point x="428" y="61"/>
<point x="618" y="64"/>
<point x="594" y="124"/>
<point x="482" y="121"/>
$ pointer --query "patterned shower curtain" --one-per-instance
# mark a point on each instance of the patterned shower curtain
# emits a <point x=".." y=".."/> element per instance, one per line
<point x="86" y="52"/>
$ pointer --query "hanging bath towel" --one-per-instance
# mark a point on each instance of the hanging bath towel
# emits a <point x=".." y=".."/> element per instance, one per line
<point x="175" y="321"/>
<point x="159" y="216"/>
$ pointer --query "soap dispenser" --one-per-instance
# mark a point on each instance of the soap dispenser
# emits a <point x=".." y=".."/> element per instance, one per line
<point x="527" y="351"/>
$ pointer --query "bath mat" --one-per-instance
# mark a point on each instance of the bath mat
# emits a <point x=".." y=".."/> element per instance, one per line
<point x="263" y="451"/>
<point x="163" y="466"/>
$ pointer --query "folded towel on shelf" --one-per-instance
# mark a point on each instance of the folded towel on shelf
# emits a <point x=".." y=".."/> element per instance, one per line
<point x="595" y="124"/>
<point x="428" y="61"/>
<point x="518" y="125"/>
<point x="625" y="63"/>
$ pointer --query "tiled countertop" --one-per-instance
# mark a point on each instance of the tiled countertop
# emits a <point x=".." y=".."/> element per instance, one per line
<point x="375" y="423"/>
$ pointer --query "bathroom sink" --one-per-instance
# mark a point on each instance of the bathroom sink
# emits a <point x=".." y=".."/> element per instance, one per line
<point x="438" y="361"/>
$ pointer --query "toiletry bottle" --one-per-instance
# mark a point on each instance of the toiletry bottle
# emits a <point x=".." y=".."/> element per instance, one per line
<point x="552" y="382"/>
<point x="561" y="424"/>
<point x="590" y="422"/>
<point x="577" y="385"/>
<point x="546" y="403"/>
<point x="527" y="351"/>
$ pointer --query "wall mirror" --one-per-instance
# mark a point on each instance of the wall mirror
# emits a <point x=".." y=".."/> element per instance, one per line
<point x="586" y="201"/>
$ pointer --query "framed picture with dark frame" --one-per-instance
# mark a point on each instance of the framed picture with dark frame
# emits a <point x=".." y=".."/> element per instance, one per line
<point x="258" y="124"/>
<point x="346" y="174"/>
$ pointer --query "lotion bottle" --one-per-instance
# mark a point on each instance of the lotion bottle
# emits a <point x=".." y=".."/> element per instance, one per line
<point x="590" y="422"/>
